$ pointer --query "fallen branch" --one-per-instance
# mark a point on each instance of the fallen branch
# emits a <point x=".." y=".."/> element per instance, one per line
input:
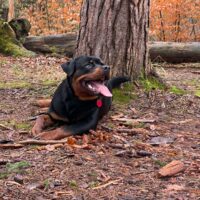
<point x="49" y="147"/>
<point x="182" y="122"/>
<point x="42" y="142"/>
<point x="106" y="128"/>
<point x="32" y="141"/>
<point x="12" y="146"/>
<point x="107" y="184"/>
<point x="195" y="72"/>
<point x="142" y="172"/>
<point x="135" y="120"/>
<point x="64" y="193"/>
<point x="6" y="127"/>
<point x="133" y="131"/>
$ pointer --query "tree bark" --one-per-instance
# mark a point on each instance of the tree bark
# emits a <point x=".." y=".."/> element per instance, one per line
<point x="117" y="32"/>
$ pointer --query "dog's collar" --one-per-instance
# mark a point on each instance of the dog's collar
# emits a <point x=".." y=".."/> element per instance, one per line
<point x="99" y="103"/>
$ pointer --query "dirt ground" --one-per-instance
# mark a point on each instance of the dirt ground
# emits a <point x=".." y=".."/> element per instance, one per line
<point x="121" y="160"/>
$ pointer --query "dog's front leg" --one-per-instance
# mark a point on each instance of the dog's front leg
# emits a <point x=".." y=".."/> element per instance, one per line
<point x="79" y="127"/>
<point x="42" y="122"/>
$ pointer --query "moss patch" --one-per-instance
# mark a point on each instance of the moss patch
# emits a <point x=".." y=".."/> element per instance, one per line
<point x="17" y="125"/>
<point x="73" y="184"/>
<point x="23" y="126"/>
<point x="125" y="95"/>
<point x="50" y="82"/>
<point x="3" y="175"/>
<point x="197" y="93"/>
<point x="151" y="83"/>
<point x="177" y="91"/>
<point x="9" y="45"/>
<point x="17" y="167"/>
<point x="160" y="163"/>
<point x="15" y="85"/>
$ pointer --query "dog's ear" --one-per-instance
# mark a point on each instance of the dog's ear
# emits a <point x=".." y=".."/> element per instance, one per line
<point x="68" y="67"/>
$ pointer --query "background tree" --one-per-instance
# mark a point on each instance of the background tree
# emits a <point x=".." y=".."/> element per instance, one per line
<point x="11" y="9"/>
<point x="117" y="32"/>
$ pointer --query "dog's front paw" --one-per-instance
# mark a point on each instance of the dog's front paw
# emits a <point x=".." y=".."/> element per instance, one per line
<point x="36" y="130"/>
<point x="49" y="135"/>
<point x="38" y="126"/>
<point x="56" y="134"/>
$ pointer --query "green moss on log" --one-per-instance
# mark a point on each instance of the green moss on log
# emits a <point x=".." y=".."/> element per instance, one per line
<point x="9" y="45"/>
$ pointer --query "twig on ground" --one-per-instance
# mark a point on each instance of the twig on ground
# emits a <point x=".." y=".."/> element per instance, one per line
<point x="142" y="172"/>
<point x="42" y="142"/>
<point x="106" y="128"/>
<point x="107" y="184"/>
<point x="135" y="120"/>
<point x="64" y="193"/>
<point x="13" y="146"/>
<point x="195" y="72"/>
<point x="6" y="127"/>
<point x="133" y="131"/>
<point x="183" y="121"/>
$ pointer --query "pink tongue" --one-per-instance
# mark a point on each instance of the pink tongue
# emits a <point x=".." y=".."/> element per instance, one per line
<point x="102" y="89"/>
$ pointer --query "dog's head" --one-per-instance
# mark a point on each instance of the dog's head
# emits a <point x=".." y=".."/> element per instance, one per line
<point x="88" y="75"/>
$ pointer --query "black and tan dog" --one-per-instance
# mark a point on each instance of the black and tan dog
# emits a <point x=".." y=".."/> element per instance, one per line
<point x="80" y="100"/>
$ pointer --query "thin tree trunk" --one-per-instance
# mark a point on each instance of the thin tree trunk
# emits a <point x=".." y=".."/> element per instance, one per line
<point x="11" y="11"/>
<point x="162" y="35"/>
<point x="117" y="32"/>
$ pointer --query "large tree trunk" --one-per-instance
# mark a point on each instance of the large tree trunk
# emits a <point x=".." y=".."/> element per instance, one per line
<point x="117" y="32"/>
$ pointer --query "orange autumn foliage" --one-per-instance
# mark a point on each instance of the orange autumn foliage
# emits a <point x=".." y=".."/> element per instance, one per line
<point x="175" y="20"/>
<point x="172" y="20"/>
<point x="53" y="17"/>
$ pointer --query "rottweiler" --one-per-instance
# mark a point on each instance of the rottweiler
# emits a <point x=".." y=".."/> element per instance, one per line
<point x="80" y="101"/>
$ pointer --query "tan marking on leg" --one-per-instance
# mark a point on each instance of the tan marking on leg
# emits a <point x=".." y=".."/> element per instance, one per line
<point x="42" y="122"/>
<point x="55" y="134"/>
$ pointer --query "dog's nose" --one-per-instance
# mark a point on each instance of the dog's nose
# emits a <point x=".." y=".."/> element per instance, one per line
<point x="106" y="68"/>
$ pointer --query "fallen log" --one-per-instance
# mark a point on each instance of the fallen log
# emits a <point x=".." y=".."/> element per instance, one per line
<point x="61" y="44"/>
<point x="174" y="52"/>
<point x="171" y="52"/>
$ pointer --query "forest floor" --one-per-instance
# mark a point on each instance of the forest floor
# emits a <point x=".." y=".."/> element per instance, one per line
<point x="121" y="160"/>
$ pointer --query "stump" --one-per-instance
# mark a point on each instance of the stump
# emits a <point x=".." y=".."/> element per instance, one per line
<point x="9" y="44"/>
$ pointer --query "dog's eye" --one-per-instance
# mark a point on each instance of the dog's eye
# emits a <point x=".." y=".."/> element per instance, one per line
<point x="89" y="66"/>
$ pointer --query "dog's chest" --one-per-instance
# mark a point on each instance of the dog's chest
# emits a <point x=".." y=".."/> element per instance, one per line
<point x="77" y="110"/>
